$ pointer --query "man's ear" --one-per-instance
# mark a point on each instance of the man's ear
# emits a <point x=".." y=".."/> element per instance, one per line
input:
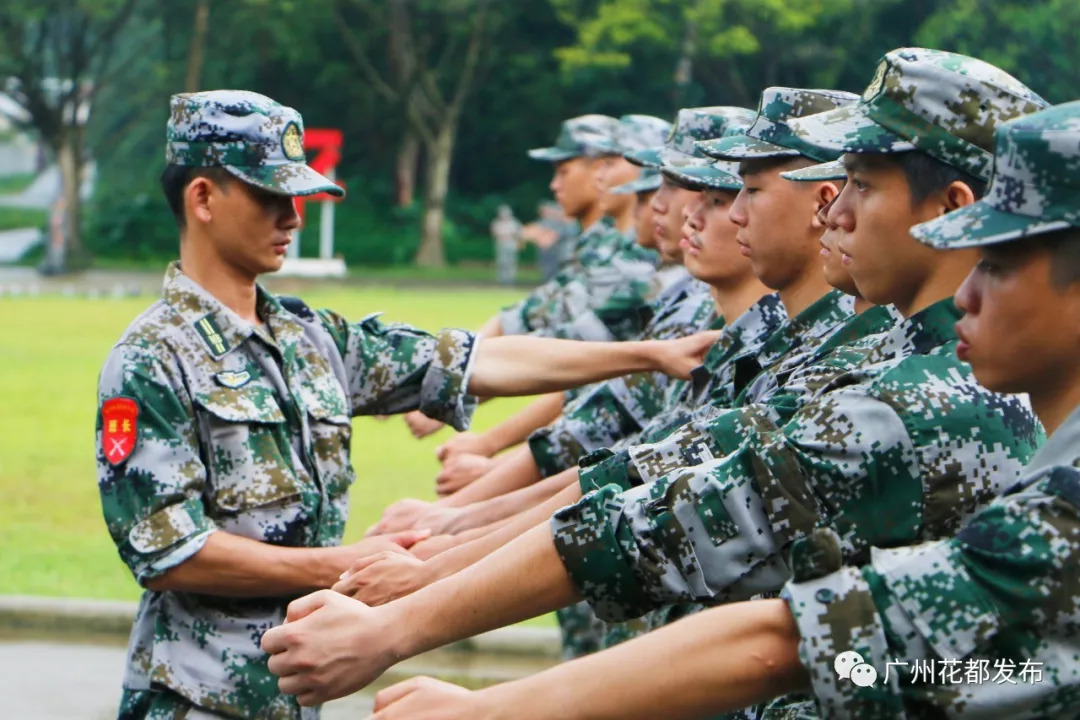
<point x="197" y="199"/>
<point x="957" y="195"/>
<point x="824" y="193"/>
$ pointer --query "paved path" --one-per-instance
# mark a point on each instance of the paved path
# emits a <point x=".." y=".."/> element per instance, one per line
<point x="15" y="243"/>
<point x="53" y="681"/>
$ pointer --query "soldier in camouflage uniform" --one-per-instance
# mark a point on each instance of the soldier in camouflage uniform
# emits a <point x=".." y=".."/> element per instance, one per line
<point x="902" y="449"/>
<point x="224" y="424"/>
<point x="597" y="297"/>
<point x="979" y="625"/>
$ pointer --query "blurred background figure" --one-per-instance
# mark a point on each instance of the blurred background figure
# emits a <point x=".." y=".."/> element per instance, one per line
<point x="553" y="234"/>
<point x="506" y="231"/>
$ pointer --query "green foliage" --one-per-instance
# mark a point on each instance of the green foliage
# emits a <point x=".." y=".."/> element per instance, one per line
<point x="14" y="184"/>
<point x="15" y="217"/>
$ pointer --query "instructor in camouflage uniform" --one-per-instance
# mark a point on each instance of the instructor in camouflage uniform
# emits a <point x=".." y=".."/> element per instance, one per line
<point x="224" y="427"/>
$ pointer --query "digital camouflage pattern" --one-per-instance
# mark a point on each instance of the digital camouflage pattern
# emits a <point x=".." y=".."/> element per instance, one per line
<point x="677" y="438"/>
<point x="638" y="132"/>
<point x="941" y="103"/>
<point x="899" y="450"/>
<point x="769" y="136"/>
<point x="1033" y="189"/>
<point x="246" y="430"/>
<point x="1001" y="594"/>
<point x="648" y="181"/>
<point x="825" y="171"/>
<point x="254" y="138"/>
<point x="583" y="136"/>
<point x="691" y="125"/>
<point x="600" y="296"/>
<point x="607" y="412"/>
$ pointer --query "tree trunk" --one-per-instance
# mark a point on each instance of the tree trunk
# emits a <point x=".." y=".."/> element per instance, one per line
<point x="439" y="154"/>
<point x="64" y="249"/>
<point x="405" y="171"/>
<point x="198" y="44"/>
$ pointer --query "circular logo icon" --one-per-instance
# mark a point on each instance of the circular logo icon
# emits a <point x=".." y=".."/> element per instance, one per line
<point x="292" y="142"/>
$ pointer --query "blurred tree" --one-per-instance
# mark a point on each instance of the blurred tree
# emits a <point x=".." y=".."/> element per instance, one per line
<point x="197" y="48"/>
<point x="435" y="50"/>
<point x="1036" y="40"/>
<point x="57" y="56"/>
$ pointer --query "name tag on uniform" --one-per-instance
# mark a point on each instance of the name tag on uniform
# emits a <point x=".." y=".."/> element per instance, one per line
<point x="232" y="379"/>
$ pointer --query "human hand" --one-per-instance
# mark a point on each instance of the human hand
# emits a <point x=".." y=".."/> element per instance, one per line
<point x="331" y="646"/>
<point x="465" y="442"/>
<point x="459" y="471"/>
<point x="434" y="545"/>
<point x="442" y="520"/>
<point x="378" y="579"/>
<point x="425" y="698"/>
<point x="401" y="515"/>
<point x="420" y="425"/>
<point x="678" y="357"/>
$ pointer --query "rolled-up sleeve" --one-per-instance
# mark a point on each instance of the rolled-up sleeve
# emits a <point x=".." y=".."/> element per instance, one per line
<point x="394" y="368"/>
<point x="152" y="499"/>
<point x="716" y="532"/>
<point x="1002" y="592"/>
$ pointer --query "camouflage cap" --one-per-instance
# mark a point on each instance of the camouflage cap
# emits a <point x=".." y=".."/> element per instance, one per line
<point x="1035" y="187"/>
<point x="251" y="136"/>
<point x="583" y="136"/>
<point x="833" y="170"/>
<point x="691" y="125"/>
<point x="638" y="132"/>
<point x="713" y="176"/>
<point x="769" y="136"/>
<point x="650" y="180"/>
<point x="941" y="103"/>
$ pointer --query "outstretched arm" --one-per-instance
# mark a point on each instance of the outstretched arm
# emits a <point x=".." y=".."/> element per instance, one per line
<point x="717" y="661"/>
<point x="332" y="645"/>
<point x="521" y="365"/>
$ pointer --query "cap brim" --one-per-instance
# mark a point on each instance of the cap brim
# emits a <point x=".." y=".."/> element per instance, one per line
<point x="981" y="224"/>
<point x="704" y="177"/>
<point x="847" y="130"/>
<point x="743" y="147"/>
<point x="640" y="185"/>
<point x="295" y="179"/>
<point x="825" y="171"/>
<point x="552" y="154"/>
<point x="649" y="157"/>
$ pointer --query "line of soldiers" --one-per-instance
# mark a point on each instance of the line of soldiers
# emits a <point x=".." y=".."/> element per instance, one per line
<point x="854" y="483"/>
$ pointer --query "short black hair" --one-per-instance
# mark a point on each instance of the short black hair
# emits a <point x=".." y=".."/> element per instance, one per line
<point x="927" y="175"/>
<point x="176" y="178"/>
<point x="1064" y="247"/>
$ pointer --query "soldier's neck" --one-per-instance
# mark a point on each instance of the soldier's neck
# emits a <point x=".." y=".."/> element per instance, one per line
<point x="805" y="290"/>
<point x="590" y="218"/>
<point x="734" y="300"/>
<point x="624" y="220"/>
<point x="230" y="286"/>
<point x="941" y="282"/>
<point x="1052" y="406"/>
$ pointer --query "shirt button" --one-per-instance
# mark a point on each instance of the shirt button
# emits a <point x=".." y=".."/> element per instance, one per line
<point x="825" y="596"/>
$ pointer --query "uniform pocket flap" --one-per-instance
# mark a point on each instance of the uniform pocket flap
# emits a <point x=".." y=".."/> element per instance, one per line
<point x="248" y="404"/>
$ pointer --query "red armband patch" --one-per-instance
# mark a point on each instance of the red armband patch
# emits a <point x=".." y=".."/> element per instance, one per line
<point x="119" y="428"/>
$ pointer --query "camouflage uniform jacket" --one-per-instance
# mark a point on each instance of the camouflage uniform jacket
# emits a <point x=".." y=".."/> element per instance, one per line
<point x="999" y="597"/>
<point x="674" y="437"/>
<point x="898" y="451"/>
<point x="246" y="430"/>
<point x="599" y="298"/>
<point x="609" y="411"/>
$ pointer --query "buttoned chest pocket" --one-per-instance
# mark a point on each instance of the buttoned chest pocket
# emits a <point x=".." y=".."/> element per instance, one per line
<point x="247" y="454"/>
<point x="331" y="434"/>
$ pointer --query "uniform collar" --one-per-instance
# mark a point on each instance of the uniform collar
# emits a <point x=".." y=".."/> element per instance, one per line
<point x="1061" y="448"/>
<point x="927" y="329"/>
<point x="220" y="329"/>
<point x="833" y="308"/>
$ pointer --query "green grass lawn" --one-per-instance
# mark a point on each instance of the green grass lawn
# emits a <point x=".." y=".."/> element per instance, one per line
<point x="13" y="218"/>
<point x="51" y="530"/>
<point x="12" y="184"/>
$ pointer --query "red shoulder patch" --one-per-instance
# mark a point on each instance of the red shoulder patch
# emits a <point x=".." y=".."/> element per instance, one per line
<point x="119" y="428"/>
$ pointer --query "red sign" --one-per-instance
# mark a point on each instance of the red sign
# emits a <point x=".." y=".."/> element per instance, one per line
<point x="119" y="428"/>
<point x="327" y="144"/>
